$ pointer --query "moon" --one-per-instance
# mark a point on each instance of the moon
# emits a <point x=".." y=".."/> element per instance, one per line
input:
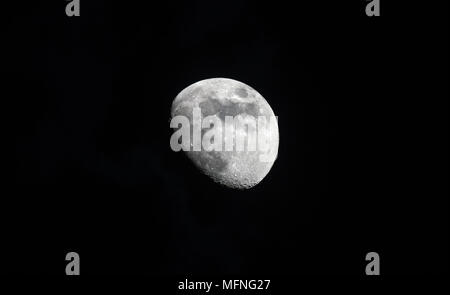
<point x="221" y="97"/>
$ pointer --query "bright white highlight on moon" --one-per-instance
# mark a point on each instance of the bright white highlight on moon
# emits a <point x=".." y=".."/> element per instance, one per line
<point x="234" y="125"/>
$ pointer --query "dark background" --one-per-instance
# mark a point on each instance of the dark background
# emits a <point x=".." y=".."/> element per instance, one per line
<point x="362" y="165"/>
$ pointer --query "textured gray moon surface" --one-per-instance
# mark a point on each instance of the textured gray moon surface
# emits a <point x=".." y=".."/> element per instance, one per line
<point x="226" y="97"/>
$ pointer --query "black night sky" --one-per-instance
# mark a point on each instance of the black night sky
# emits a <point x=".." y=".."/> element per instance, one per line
<point x="362" y="164"/>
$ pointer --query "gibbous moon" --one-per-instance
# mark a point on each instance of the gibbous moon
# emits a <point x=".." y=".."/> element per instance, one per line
<point x="222" y="98"/>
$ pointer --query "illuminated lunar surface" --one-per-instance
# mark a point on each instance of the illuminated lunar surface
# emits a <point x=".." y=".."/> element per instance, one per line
<point x="222" y="97"/>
